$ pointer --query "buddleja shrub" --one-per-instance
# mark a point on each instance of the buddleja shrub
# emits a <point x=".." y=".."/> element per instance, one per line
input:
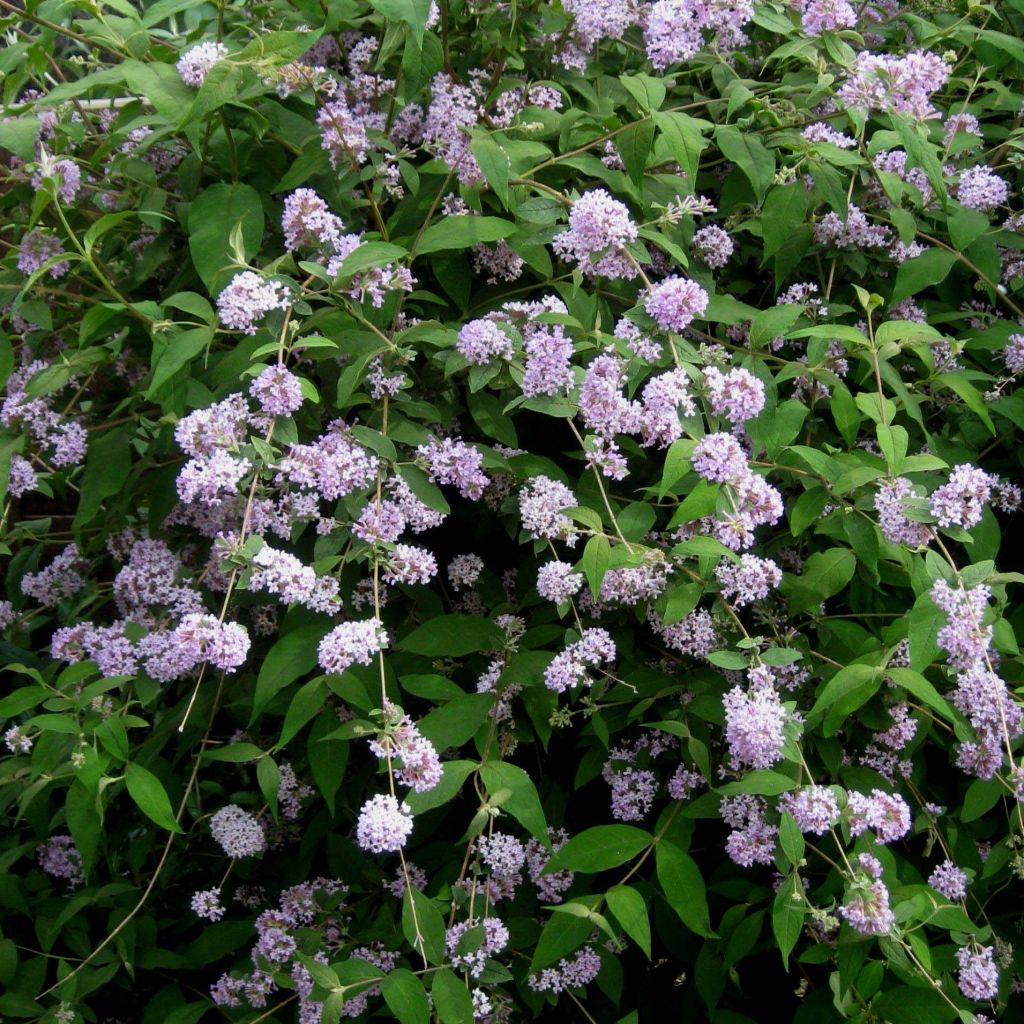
<point x="502" y="510"/>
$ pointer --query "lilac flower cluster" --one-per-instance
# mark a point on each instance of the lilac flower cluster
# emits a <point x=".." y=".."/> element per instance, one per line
<point x="752" y="839"/>
<point x="904" y="84"/>
<point x="61" y="437"/>
<point x="247" y="299"/>
<point x="351" y="643"/>
<point x="600" y="229"/>
<point x="419" y="766"/>
<point x="557" y="582"/>
<point x="752" y="579"/>
<point x="452" y="461"/>
<point x="961" y="501"/>
<point x="754" y="726"/>
<point x="675" y="303"/>
<point x="195" y="63"/>
<point x="949" y="880"/>
<point x="576" y="972"/>
<point x="674" y="30"/>
<point x="569" y="668"/>
<point x="897" y="528"/>
<point x="237" y="832"/>
<point x="59" y="857"/>
<point x="737" y="395"/>
<point x="978" y="976"/>
<point x="384" y="824"/>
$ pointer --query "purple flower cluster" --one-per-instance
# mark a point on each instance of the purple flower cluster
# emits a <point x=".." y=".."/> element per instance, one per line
<point x="897" y="528"/>
<point x="948" y="880"/>
<point x="978" y="976"/>
<point x="737" y="395"/>
<point x="886" y="814"/>
<point x="278" y="391"/>
<point x="600" y="229"/>
<point x="59" y="857"/>
<point x="961" y="501"/>
<point x="237" y="832"/>
<point x="814" y="808"/>
<point x="904" y="84"/>
<point x="675" y="303"/>
<point x="714" y="245"/>
<point x="980" y="188"/>
<point x="867" y="909"/>
<point x="351" y="643"/>
<point x="420" y="767"/>
<point x="674" y="29"/>
<point x="542" y="502"/>
<point x="60" y="436"/>
<point x="551" y="885"/>
<point x="36" y="249"/>
<point x="751" y="580"/>
<point x="569" y="668"/>
<point x="481" y="341"/>
<point x="468" y="956"/>
<point x="452" y="461"/>
<point x="247" y="299"/>
<point x="755" y="724"/>
<point x="195" y="63"/>
<point x="752" y="839"/>
<point x="384" y="825"/>
<point x="557" y="582"/>
<point x="576" y="972"/>
<point x="819" y="16"/>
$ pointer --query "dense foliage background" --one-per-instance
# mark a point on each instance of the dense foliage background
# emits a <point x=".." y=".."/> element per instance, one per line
<point x="503" y="510"/>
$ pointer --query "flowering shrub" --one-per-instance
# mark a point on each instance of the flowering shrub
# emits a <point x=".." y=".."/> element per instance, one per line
<point x="502" y="511"/>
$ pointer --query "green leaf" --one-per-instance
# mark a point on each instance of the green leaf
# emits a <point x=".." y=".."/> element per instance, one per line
<point x="493" y="161"/>
<point x="406" y="997"/>
<point x="595" y="561"/>
<point x="452" y="999"/>
<point x="308" y="700"/>
<point x="212" y="218"/>
<point x="926" y="619"/>
<point x="848" y="689"/>
<point x="463" y="231"/>
<point x="562" y="935"/>
<point x="648" y="92"/>
<point x="981" y="796"/>
<point x="683" y="136"/>
<point x="453" y="777"/>
<point x="18" y="135"/>
<point x="825" y="574"/>
<point x="423" y="925"/>
<point x="750" y="155"/>
<point x="456" y="722"/>
<point x="683" y="886"/>
<point x="959" y="384"/>
<point x="107" y="466"/>
<point x="84" y="823"/>
<point x="415" y="13"/>
<point x="634" y="146"/>
<point x="600" y="848"/>
<point x="916" y="684"/>
<point x="327" y="757"/>
<point x="784" y="209"/>
<point x="913" y="276"/>
<point x="908" y="1005"/>
<point x="452" y="636"/>
<point x="149" y="794"/>
<point x="173" y="352"/>
<point x="370" y="254"/>
<point x="630" y="910"/>
<point x="763" y="782"/>
<point x="521" y="800"/>
<point x="293" y="655"/>
<point x="788" y="916"/>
